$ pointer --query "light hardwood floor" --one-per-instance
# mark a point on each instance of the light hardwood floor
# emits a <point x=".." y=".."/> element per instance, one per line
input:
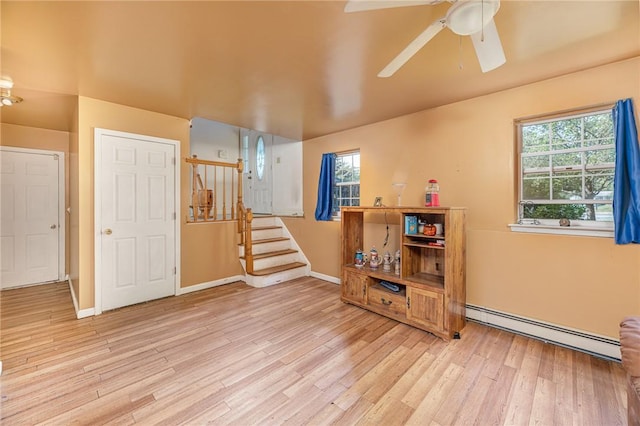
<point x="291" y="353"/>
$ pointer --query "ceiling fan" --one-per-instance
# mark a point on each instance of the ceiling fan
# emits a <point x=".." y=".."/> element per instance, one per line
<point x="465" y="17"/>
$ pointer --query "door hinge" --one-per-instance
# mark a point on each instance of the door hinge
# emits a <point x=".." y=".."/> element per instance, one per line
<point x="174" y="215"/>
<point x="175" y="270"/>
<point x="408" y="303"/>
<point x="173" y="161"/>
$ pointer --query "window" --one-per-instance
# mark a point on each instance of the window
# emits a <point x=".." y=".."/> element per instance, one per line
<point x="260" y="159"/>
<point x="346" y="191"/>
<point x="566" y="169"/>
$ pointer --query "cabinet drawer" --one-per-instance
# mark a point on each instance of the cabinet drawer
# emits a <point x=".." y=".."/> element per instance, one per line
<point x="387" y="301"/>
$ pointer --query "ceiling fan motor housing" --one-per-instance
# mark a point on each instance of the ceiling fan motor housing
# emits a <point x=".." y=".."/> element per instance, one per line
<point x="469" y="17"/>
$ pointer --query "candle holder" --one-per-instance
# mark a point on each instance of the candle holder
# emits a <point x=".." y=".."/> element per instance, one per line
<point x="398" y="188"/>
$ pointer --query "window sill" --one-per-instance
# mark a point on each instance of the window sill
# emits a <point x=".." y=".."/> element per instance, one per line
<point x="576" y="230"/>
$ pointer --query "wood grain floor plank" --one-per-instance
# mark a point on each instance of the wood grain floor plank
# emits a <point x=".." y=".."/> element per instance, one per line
<point x="301" y="407"/>
<point x="543" y="406"/>
<point x="474" y="402"/>
<point x="376" y="376"/>
<point x="385" y="408"/>
<point x="497" y="401"/>
<point x="288" y="354"/>
<point x="459" y="394"/>
<point x="436" y="395"/>
<point x="521" y="401"/>
<point x="416" y="394"/>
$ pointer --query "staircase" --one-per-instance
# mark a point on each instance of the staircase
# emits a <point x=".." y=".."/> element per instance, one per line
<point x="276" y="255"/>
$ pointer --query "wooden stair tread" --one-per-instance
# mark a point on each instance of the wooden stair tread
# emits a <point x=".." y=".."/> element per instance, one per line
<point x="269" y="240"/>
<point x="272" y="254"/>
<point x="279" y="268"/>
<point x="264" y="228"/>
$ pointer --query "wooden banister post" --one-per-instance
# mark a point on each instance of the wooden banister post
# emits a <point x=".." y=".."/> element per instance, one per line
<point x="240" y="168"/>
<point x="248" y="248"/>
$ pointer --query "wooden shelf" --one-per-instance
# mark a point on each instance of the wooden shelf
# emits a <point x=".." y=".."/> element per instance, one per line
<point x="423" y="245"/>
<point x="429" y="237"/>
<point x="432" y="292"/>
<point x="402" y="292"/>
<point x="429" y="280"/>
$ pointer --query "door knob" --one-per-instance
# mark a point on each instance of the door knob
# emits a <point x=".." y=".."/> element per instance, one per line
<point x="108" y="231"/>
<point x="54" y="226"/>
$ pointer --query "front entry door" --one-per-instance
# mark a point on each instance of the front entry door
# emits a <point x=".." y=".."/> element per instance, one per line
<point x="259" y="174"/>
<point x="135" y="218"/>
<point x="31" y="217"/>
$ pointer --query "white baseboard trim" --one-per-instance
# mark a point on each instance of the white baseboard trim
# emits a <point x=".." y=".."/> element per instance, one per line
<point x="324" y="277"/>
<point x="209" y="284"/>
<point x="79" y="313"/>
<point x="86" y="313"/>
<point x="73" y="295"/>
<point x="593" y="344"/>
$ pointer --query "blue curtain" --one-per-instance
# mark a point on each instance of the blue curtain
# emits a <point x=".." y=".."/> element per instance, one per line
<point x="326" y="182"/>
<point x="626" y="183"/>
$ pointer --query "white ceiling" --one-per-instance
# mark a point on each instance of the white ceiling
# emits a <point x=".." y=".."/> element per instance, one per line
<point x="299" y="69"/>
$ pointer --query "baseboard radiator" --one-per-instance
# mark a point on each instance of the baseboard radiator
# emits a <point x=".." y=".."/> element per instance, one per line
<point x="592" y="344"/>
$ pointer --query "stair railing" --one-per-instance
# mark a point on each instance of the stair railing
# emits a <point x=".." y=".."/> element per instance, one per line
<point x="205" y="200"/>
<point x="213" y="191"/>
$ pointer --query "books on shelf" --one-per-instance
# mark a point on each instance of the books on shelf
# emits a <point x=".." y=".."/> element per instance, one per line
<point x="411" y="224"/>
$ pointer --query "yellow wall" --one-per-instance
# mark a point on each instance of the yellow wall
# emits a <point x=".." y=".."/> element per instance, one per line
<point x="585" y="283"/>
<point x="201" y="245"/>
<point x="48" y="140"/>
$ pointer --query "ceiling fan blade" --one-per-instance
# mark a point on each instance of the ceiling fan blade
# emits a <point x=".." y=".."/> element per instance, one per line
<point x="413" y="48"/>
<point x="362" y="5"/>
<point x="489" y="51"/>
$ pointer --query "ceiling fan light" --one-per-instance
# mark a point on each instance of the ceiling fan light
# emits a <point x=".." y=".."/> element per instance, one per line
<point x="6" y="84"/>
<point x="7" y="101"/>
<point x="469" y="17"/>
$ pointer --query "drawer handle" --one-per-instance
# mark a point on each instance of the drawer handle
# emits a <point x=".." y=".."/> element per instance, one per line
<point x="385" y="302"/>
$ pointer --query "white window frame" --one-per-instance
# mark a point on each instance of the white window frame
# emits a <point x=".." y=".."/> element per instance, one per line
<point x="336" y="215"/>
<point x="552" y="226"/>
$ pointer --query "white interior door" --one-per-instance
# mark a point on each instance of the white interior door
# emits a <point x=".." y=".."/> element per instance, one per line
<point x="260" y="173"/>
<point x="136" y="228"/>
<point x="31" y="217"/>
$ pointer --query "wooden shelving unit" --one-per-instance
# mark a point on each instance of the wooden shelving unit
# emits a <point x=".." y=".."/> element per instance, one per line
<point x="432" y="289"/>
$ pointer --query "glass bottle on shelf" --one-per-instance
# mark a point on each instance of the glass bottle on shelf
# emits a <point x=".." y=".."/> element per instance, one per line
<point x="432" y="194"/>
